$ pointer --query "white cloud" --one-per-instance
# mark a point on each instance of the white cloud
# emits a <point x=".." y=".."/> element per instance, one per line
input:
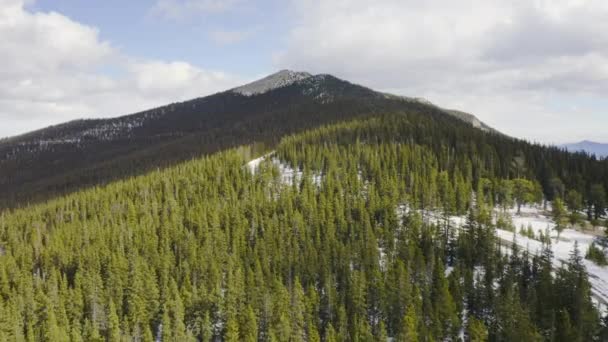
<point x="50" y="73"/>
<point x="498" y="58"/>
<point x="38" y="42"/>
<point x="178" y="80"/>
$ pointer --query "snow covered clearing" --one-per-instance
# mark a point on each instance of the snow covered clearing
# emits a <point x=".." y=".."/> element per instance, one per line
<point x="288" y="174"/>
<point x="538" y="220"/>
<point x="255" y="163"/>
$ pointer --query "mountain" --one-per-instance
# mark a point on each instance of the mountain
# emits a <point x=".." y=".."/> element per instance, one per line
<point x="62" y="158"/>
<point x="598" y="149"/>
<point x="369" y="217"/>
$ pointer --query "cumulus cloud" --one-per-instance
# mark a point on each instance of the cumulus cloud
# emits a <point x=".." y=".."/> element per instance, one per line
<point x="177" y="80"/>
<point x="50" y="73"/>
<point x="498" y="58"/>
<point x="46" y="41"/>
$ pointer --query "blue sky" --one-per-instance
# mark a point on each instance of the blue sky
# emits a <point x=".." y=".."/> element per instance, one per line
<point x="536" y="69"/>
<point x="136" y="28"/>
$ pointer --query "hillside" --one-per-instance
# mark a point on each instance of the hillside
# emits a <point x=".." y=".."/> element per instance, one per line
<point x="332" y="237"/>
<point x="70" y="156"/>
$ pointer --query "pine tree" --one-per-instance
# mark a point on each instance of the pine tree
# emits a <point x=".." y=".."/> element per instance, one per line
<point x="206" y="329"/>
<point x="90" y="333"/>
<point x="409" y="327"/>
<point x="476" y="330"/>
<point x="165" y="332"/>
<point x="559" y="215"/>
<point x="381" y="334"/>
<point x="298" y="309"/>
<point x="574" y="200"/>
<point x="523" y="192"/>
<point x="249" y="325"/>
<point x="51" y="330"/>
<point x="113" y="334"/>
<point x="330" y="334"/>
<point x="231" y="333"/>
<point x="565" y="332"/>
<point x="443" y="303"/>
<point x="597" y="200"/>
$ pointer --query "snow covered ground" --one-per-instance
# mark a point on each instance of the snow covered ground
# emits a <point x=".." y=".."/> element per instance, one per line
<point x="536" y="218"/>
<point x="288" y="174"/>
<point x="255" y="163"/>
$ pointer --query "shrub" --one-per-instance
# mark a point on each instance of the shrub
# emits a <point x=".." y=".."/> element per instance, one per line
<point x="505" y="222"/>
<point x="527" y="231"/>
<point x="596" y="255"/>
<point x="576" y="218"/>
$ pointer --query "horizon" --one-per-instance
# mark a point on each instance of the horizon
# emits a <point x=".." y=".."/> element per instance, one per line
<point x="542" y="68"/>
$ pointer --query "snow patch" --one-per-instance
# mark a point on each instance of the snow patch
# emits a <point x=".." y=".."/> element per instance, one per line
<point x="287" y="173"/>
<point x="255" y="163"/>
<point x="536" y="218"/>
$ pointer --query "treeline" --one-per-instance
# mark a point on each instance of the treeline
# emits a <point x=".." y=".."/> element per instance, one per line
<point x="208" y="251"/>
<point x="578" y="178"/>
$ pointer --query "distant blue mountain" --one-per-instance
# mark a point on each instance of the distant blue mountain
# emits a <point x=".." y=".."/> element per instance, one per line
<point x="600" y="150"/>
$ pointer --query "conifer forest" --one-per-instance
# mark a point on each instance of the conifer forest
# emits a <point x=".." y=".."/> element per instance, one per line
<point x="340" y="233"/>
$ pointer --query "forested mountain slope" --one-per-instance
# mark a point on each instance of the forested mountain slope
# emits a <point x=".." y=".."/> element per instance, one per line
<point x="207" y="250"/>
<point x="70" y="156"/>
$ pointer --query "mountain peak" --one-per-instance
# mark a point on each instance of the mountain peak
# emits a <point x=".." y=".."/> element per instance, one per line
<point x="279" y="79"/>
<point x="592" y="147"/>
<point x="585" y="143"/>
